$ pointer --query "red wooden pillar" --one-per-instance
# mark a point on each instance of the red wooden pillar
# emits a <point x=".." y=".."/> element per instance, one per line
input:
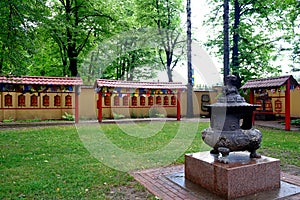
<point x="99" y="106"/>
<point x="77" y="93"/>
<point x="178" y="106"/>
<point x="251" y="96"/>
<point x="76" y="108"/>
<point x="288" y="106"/>
<point x="252" y="102"/>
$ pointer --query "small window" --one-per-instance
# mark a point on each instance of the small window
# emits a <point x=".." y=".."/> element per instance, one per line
<point x="134" y="101"/>
<point x="68" y="100"/>
<point x="46" y="101"/>
<point x="21" y="100"/>
<point x="33" y="100"/>
<point x="8" y="100"/>
<point x="125" y="101"/>
<point x="205" y="98"/>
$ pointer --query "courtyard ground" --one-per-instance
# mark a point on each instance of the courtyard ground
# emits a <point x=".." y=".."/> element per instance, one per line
<point x="132" y="190"/>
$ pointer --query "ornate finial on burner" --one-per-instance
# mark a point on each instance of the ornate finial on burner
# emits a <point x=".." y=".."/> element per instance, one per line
<point x="231" y="85"/>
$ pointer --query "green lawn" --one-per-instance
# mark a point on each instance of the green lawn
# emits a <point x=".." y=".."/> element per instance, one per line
<point x="284" y="145"/>
<point x="58" y="163"/>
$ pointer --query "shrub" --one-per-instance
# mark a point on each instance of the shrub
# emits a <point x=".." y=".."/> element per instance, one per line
<point x="295" y="122"/>
<point x="68" y="117"/>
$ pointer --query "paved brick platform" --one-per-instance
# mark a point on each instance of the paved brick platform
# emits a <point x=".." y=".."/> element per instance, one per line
<point x="157" y="182"/>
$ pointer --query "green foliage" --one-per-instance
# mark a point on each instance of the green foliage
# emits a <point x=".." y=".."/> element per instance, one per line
<point x="133" y="115"/>
<point x="155" y="113"/>
<point x="295" y="122"/>
<point x="73" y="28"/>
<point x="118" y="116"/>
<point x="18" y="22"/>
<point x="68" y="117"/>
<point x="165" y="16"/>
<point x="130" y="55"/>
<point x="8" y="120"/>
<point x="262" y="28"/>
<point x="53" y="38"/>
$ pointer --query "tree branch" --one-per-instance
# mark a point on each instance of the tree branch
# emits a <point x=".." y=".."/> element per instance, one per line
<point x="81" y="46"/>
<point x="95" y="15"/>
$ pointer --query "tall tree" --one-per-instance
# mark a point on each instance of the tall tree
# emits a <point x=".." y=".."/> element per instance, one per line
<point x="129" y="54"/>
<point x="235" y="40"/>
<point x="190" y="112"/>
<point x="226" y="45"/>
<point x="18" y="21"/>
<point x="165" y="16"/>
<point x="256" y="33"/>
<point x="73" y="25"/>
<point x="294" y="18"/>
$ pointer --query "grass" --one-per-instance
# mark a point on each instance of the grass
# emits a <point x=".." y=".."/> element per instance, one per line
<point x="53" y="163"/>
<point x="284" y="145"/>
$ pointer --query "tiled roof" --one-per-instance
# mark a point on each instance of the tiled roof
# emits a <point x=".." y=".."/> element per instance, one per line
<point x="132" y="84"/>
<point x="41" y="80"/>
<point x="269" y="82"/>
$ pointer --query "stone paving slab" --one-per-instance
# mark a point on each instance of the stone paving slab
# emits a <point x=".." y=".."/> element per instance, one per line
<point x="158" y="182"/>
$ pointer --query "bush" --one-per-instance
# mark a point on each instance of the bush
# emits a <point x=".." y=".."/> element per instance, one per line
<point x="295" y="122"/>
<point x="68" y="117"/>
<point x="118" y="116"/>
<point x="154" y="113"/>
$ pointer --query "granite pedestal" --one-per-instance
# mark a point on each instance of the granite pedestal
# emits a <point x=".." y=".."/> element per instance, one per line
<point x="241" y="176"/>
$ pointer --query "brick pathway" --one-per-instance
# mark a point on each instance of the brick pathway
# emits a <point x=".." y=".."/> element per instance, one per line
<point x="156" y="181"/>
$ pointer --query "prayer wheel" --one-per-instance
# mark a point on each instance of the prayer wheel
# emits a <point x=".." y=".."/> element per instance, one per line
<point x="278" y="106"/>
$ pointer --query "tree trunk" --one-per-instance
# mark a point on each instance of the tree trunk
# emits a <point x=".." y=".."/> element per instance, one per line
<point x="226" y="39"/>
<point x="190" y="112"/>
<point x="169" y="62"/>
<point x="169" y="72"/>
<point x="73" y="65"/>
<point x="236" y="38"/>
<point x="71" y="39"/>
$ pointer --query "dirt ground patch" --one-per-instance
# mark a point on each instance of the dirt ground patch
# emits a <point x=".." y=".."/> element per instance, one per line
<point x="130" y="192"/>
<point x="291" y="169"/>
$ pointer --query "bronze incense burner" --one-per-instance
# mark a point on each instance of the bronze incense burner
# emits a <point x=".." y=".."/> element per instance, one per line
<point x="231" y="124"/>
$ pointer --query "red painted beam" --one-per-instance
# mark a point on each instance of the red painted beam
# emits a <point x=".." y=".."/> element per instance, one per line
<point x="288" y="106"/>
<point x="76" y="108"/>
<point x="251" y="96"/>
<point x="99" y="106"/>
<point x="178" y="106"/>
<point x="252" y="102"/>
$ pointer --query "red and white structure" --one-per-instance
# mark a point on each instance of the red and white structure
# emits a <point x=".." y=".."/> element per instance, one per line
<point x="274" y="96"/>
<point x="137" y="98"/>
<point x="38" y="97"/>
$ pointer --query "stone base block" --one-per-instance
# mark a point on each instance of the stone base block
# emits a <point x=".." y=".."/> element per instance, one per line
<point x="241" y="176"/>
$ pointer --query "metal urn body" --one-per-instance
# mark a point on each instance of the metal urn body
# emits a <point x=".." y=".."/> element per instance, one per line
<point x="231" y="124"/>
